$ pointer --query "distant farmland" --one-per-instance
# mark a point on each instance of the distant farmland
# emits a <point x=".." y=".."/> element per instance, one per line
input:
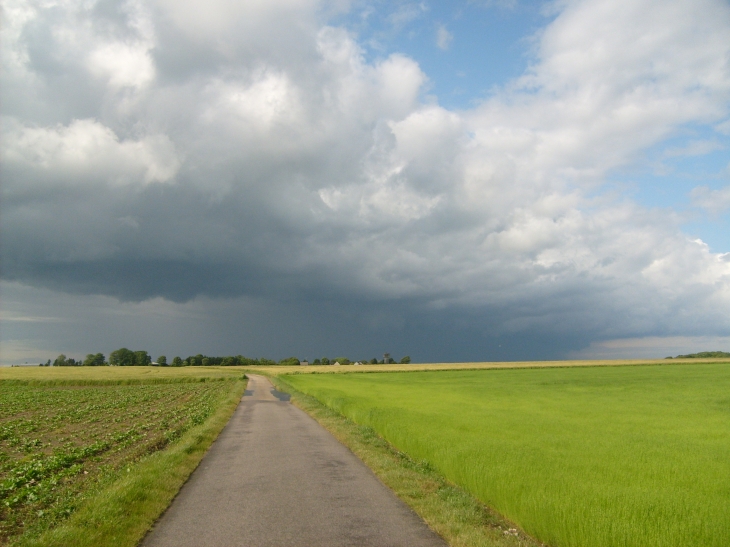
<point x="581" y="457"/>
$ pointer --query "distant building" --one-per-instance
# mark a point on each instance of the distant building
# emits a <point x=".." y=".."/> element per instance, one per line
<point x="304" y="363"/>
<point x="386" y="358"/>
<point x="357" y="363"/>
<point x="336" y="363"/>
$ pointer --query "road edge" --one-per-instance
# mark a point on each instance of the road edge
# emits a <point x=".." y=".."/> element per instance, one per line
<point x="447" y="509"/>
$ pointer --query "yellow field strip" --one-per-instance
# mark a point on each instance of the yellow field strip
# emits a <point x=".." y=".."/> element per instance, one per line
<point x="155" y="373"/>
<point x="116" y="373"/>
<point x="486" y="365"/>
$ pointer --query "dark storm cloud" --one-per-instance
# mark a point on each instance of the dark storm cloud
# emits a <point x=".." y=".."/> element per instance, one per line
<point x="248" y="151"/>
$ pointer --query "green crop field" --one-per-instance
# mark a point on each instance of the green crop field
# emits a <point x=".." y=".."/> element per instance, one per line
<point x="59" y="443"/>
<point x="583" y="457"/>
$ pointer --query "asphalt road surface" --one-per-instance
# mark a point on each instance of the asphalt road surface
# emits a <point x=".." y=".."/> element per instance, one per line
<point x="275" y="477"/>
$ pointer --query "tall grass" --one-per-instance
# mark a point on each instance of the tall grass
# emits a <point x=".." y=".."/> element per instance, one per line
<point x="582" y="457"/>
<point x="450" y="511"/>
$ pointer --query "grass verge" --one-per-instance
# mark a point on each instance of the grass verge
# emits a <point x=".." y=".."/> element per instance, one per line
<point x="581" y="457"/>
<point x="121" y="513"/>
<point x="450" y="511"/>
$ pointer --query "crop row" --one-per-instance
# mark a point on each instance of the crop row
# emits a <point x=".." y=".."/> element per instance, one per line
<point x="59" y="443"/>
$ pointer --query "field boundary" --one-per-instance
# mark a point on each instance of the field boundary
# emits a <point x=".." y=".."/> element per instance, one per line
<point x="450" y="511"/>
<point x="460" y="367"/>
<point x="122" y="512"/>
<point x="150" y="374"/>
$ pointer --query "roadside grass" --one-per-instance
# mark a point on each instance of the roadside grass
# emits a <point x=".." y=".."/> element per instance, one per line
<point x="578" y="457"/>
<point x="450" y="511"/>
<point x="85" y="466"/>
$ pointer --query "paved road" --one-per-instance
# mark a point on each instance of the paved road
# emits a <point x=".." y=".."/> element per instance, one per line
<point x="275" y="477"/>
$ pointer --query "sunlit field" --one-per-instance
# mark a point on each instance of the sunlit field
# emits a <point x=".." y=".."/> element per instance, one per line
<point x="580" y="457"/>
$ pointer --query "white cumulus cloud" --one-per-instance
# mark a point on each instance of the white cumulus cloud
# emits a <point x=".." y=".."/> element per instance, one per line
<point x="87" y="151"/>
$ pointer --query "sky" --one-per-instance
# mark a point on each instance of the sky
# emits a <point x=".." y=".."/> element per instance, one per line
<point x="453" y="181"/>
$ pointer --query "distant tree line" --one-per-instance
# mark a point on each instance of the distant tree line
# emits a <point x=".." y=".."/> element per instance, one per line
<point x="345" y="361"/>
<point x="702" y="355"/>
<point x="201" y="360"/>
<point x="92" y="360"/>
<point x="124" y="357"/>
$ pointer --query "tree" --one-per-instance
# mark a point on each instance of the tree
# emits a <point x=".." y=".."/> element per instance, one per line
<point x="405" y="360"/>
<point x="94" y="360"/>
<point x="196" y="361"/>
<point x="206" y="361"/>
<point x="373" y="361"/>
<point x="122" y="357"/>
<point x="325" y="361"/>
<point x="177" y="362"/>
<point x="162" y="361"/>
<point x="290" y="361"/>
<point x="343" y="360"/>
<point x="63" y="361"/>
<point x="142" y="358"/>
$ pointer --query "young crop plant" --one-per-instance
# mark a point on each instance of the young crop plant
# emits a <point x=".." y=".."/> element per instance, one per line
<point x="59" y="444"/>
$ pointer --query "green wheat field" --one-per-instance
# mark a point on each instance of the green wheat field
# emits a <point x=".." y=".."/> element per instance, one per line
<point x="633" y="456"/>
